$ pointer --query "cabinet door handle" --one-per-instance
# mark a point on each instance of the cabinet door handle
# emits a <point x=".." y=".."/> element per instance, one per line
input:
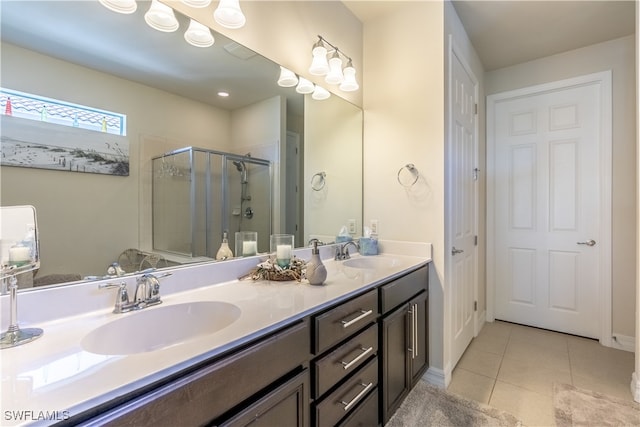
<point x="348" y="405"/>
<point x="365" y="351"/>
<point x="415" y="330"/>
<point x="363" y="314"/>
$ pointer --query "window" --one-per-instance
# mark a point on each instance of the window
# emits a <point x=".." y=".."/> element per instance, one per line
<point x="35" y="107"/>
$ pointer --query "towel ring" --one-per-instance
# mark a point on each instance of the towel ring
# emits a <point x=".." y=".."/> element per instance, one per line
<point x="318" y="184"/>
<point x="412" y="171"/>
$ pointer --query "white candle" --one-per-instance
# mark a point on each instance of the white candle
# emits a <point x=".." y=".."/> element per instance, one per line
<point x="283" y="252"/>
<point x="19" y="255"/>
<point x="249" y="248"/>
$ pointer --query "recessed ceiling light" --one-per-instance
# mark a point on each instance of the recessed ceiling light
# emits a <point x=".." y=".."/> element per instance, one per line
<point x="223" y="94"/>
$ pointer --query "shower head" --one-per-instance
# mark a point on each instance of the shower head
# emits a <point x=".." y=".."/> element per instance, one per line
<point x="240" y="166"/>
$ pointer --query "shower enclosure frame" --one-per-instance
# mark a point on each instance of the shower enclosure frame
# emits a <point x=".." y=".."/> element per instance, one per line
<point x="225" y="157"/>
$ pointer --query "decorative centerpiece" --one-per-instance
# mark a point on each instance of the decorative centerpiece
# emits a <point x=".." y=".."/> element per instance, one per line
<point x="271" y="270"/>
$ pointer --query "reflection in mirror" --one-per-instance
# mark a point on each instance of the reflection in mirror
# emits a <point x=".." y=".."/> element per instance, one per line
<point x="168" y="90"/>
<point x="19" y="246"/>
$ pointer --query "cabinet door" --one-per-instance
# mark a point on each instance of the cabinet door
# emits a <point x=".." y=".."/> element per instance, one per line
<point x="287" y="405"/>
<point x="395" y="375"/>
<point x="419" y="338"/>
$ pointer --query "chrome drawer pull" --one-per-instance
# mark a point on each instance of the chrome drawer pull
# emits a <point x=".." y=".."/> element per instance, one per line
<point x="365" y="351"/>
<point x="355" y="400"/>
<point x="347" y="323"/>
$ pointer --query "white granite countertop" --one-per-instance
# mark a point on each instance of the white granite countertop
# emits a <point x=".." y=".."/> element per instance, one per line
<point x="53" y="378"/>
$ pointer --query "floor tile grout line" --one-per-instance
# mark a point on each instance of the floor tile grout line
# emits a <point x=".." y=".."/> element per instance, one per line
<point x="504" y="351"/>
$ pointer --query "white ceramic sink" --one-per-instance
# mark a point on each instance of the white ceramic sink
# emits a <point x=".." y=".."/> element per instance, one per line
<point x="371" y="263"/>
<point x="159" y="327"/>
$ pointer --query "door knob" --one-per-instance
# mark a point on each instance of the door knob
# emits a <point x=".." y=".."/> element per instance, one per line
<point x="455" y="251"/>
<point x="588" y="243"/>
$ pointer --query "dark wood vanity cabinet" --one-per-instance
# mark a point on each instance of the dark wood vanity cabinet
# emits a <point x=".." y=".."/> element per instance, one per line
<point x="345" y="366"/>
<point x="403" y="338"/>
<point x="244" y="386"/>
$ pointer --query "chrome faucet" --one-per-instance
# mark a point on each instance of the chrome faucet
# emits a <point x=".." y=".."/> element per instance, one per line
<point x="147" y="293"/>
<point x="342" y="251"/>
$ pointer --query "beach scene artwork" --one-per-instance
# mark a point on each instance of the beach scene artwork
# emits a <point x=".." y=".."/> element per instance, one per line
<point x="31" y="144"/>
<point x="45" y="133"/>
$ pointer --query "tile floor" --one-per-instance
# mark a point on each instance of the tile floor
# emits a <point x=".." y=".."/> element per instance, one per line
<point x="513" y="368"/>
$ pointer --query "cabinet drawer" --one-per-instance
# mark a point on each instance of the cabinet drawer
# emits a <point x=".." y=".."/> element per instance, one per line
<point x="344" y="360"/>
<point x="403" y="288"/>
<point x="344" y="399"/>
<point x="366" y="414"/>
<point x="344" y="320"/>
<point x="201" y="396"/>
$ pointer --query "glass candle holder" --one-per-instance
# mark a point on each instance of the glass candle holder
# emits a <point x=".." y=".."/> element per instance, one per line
<point x="282" y="247"/>
<point x="246" y="243"/>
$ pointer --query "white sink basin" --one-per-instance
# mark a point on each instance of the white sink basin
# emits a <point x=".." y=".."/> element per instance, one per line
<point x="371" y="263"/>
<point x="160" y="327"/>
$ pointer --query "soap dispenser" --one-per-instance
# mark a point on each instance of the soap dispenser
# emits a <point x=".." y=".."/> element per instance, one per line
<point x="225" y="251"/>
<point x="316" y="271"/>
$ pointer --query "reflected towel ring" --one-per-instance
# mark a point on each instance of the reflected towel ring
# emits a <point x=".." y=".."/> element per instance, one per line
<point x="318" y="183"/>
<point x="412" y="171"/>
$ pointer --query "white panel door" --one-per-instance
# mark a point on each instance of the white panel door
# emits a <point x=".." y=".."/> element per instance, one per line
<point x="462" y="176"/>
<point x="547" y="189"/>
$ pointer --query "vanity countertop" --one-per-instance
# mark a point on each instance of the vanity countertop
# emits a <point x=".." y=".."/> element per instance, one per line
<point x="53" y="378"/>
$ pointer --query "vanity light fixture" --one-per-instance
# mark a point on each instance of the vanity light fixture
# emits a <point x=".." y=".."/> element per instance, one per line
<point x="198" y="35"/>
<point x="334" y="76"/>
<point x="199" y="4"/>
<point x="319" y="64"/>
<point x="229" y="15"/>
<point x="287" y="78"/>
<point x="121" y="6"/>
<point x="320" y="93"/>
<point x="349" y="84"/>
<point x="304" y="86"/>
<point x="332" y="68"/>
<point x="161" y="17"/>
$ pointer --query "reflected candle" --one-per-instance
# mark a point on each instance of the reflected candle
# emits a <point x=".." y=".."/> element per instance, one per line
<point x="19" y="255"/>
<point x="249" y="248"/>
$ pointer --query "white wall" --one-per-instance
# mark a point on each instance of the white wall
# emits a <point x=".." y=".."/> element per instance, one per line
<point x="404" y="123"/>
<point x="617" y="55"/>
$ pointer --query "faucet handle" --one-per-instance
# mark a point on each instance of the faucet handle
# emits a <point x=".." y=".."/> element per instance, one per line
<point x="122" y="299"/>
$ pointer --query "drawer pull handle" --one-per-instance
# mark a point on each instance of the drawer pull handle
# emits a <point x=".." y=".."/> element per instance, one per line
<point x="347" y="323"/>
<point x="365" y="351"/>
<point x="348" y="405"/>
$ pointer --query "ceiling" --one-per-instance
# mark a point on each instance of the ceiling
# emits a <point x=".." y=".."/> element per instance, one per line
<point x="506" y="33"/>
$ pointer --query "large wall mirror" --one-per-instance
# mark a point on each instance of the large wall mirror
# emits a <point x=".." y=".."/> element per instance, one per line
<point x="82" y="53"/>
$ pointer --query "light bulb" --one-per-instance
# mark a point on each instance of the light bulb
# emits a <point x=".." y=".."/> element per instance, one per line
<point x="320" y="93"/>
<point x="229" y="15"/>
<point x="335" y="70"/>
<point x="319" y="65"/>
<point x="120" y="6"/>
<point x="161" y="17"/>
<point x="287" y="78"/>
<point x="349" y="84"/>
<point x="198" y="35"/>
<point x="304" y="86"/>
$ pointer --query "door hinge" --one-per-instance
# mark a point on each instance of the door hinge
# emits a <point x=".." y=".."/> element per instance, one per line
<point x="475" y="109"/>
<point x="475" y="240"/>
<point x="475" y="306"/>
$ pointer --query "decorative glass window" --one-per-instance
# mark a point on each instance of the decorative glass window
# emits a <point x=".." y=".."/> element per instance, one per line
<point x="40" y="108"/>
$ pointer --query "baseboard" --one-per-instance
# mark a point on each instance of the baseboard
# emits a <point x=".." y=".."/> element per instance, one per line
<point x="624" y="342"/>
<point x="635" y="387"/>
<point x="437" y="377"/>
<point x="481" y="318"/>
